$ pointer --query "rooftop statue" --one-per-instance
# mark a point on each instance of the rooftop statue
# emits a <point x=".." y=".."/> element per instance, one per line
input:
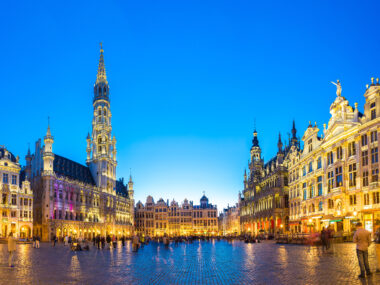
<point x="338" y="87"/>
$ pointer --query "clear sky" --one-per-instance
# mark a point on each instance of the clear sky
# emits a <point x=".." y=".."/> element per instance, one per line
<point x="187" y="80"/>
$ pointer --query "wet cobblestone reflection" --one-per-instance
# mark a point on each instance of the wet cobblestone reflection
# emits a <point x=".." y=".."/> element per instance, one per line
<point x="197" y="263"/>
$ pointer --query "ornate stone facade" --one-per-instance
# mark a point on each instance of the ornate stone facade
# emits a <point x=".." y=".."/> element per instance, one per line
<point x="264" y="207"/>
<point x="16" y="205"/>
<point x="229" y="220"/>
<point x="334" y="180"/>
<point x="78" y="200"/>
<point x="156" y="219"/>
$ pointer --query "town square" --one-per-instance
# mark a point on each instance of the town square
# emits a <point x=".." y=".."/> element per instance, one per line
<point x="200" y="262"/>
<point x="190" y="142"/>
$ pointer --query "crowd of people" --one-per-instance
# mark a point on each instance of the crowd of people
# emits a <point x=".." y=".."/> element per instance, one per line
<point x="362" y="238"/>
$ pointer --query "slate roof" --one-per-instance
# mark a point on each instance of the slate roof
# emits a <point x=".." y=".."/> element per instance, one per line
<point x="2" y="153"/>
<point x="121" y="189"/>
<point x="73" y="170"/>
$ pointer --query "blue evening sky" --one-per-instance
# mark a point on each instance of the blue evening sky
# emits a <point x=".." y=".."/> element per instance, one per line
<point x="187" y="80"/>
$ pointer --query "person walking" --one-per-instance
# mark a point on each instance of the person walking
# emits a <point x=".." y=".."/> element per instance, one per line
<point x="324" y="238"/>
<point x="377" y="248"/>
<point x="362" y="238"/>
<point x="135" y="243"/>
<point x="38" y="241"/>
<point x="11" y="248"/>
<point x="34" y="241"/>
<point x="66" y="240"/>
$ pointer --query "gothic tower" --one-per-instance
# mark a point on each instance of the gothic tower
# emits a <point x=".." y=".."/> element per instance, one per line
<point x="256" y="164"/>
<point x="48" y="156"/>
<point x="101" y="146"/>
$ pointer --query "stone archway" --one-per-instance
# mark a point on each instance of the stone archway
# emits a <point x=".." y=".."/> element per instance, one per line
<point x="25" y="231"/>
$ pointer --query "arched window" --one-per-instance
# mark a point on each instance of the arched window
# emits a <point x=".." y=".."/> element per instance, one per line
<point x="105" y="112"/>
<point x="105" y="90"/>
<point x="99" y="140"/>
<point x="99" y="112"/>
<point x="100" y="90"/>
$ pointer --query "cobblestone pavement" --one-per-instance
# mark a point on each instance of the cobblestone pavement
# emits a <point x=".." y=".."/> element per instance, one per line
<point x="197" y="263"/>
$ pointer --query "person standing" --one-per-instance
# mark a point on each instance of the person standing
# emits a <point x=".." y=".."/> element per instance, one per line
<point x="362" y="238"/>
<point x="34" y="241"/>
<point x="377" y="247"/>
<point x="11" y="248"/>
<point x="324" y="238"/>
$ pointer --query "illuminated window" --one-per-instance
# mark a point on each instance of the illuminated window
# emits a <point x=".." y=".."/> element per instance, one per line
<point x="351" y="149"/>
<point x="338" y="176"/>
<point x="14" y="179"/>
<point x="352" y="174"/>
<point x="364" y="140"/>
<point x="339" y="153"/>
<point x="365" y="178"/>
<point x="366" y="199"/>
<point x="373" y="136"/>
<point x="5" y="178"/>
<point x="352" y="199"/>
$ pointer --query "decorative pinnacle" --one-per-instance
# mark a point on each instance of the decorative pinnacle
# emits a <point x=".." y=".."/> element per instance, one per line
<point x="101" y="76"/>
<point x="48" y="133"/>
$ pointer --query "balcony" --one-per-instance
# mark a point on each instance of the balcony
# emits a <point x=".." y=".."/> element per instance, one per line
<point x="374" y="185"/>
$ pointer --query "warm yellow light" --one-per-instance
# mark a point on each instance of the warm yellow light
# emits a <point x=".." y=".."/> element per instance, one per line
<point x="281" y="226"/>
<point x="355" y="213"/>
<point x="310" y="220"/>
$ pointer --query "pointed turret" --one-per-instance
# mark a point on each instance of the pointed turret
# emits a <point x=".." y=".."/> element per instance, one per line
<point x="101" y="88"/>
<point x="255" y="149"/>
<point x="255" y="140"/>
<point x="48" y="156"/>
<point x="28" y="168"/>
<point x="279" y="143"/>
<point x="130" y="187"/>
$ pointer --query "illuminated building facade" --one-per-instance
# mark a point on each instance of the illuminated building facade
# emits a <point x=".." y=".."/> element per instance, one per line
<point x="229" y="220"/>
<point x="334" y="180"/>
<point x="82" y="200"/>
<point x="156" y="219"/>
<point x="264" y="207"/>
<point x="16" y="205"/>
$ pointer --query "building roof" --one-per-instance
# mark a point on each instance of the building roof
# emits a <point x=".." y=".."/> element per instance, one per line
<point x="121" y="188"/>
<point x="11" y="157"/>
<point x="73" y="170"/>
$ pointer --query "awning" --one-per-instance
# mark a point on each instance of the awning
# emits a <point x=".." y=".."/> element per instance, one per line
<point x="327" y="218"/>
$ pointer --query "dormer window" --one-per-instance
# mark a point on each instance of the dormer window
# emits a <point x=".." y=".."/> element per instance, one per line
<point x="373" y="114"/>
<point x="310" y="143"/>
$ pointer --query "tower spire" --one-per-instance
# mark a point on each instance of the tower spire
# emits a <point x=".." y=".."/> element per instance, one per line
<point x="101" y="76"/>
<point x="294" y="139"/>
<point x="48" y="133"/>
<point x="279" y="144"/>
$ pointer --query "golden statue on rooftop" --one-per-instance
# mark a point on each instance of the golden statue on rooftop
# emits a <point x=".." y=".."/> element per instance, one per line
<point x="338" y="87"/>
